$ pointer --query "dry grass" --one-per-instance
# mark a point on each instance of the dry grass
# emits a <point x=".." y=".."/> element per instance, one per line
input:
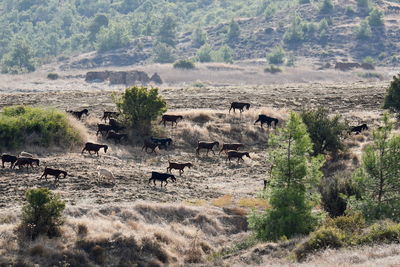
<point x="224" y="201"/>
<point x="254" y="203"/>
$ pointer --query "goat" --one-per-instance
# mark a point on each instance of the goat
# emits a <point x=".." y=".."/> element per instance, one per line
<point x="24" y="154"/>
<point x="94" y="147"/>
<point x="240" y="106"/>
<point x="103" y="128"/>
<point x="265" y="119"/>
<point x="149" y="144"/>
<point x="109" y="115"/>
<point x="206" y="145"/>
<point x="171" y="118"/>
<point x="26" y="161"/>
<point x="78" y="114"/>
<point x="163" y="177"/>
<point x="8" y="158"/>
<point x="162" y="142"/>
<point x="359" y="129"/>
<point x="178" y="166"/>
<point x="105" y="173"/>
<point x="53" y="172"/>
<point x="116" y="125"/>
<point x="238" y="155"/>
<point x="117" y="137"/>
<point x="226" y="147"/>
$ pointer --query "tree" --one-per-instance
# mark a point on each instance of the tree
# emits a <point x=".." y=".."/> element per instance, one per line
<point x="99" y="21"/>
<point x="378" y="177"/>
<point x="42" y="214"/>
<point x="140" y="106"/>
<point x="295" y="32"/>
<point x="363" y="6"/>
<point x="325" y="132"/>
<point x="375" y="18"/>
<point x="204" y="54"/>
<point x="294" y="174"/>
<point x="167" y="31"/>
<point x="163" y="53"/>
<point x="392" y="98"/>
<point x="224" y="54"/>
<point x="233" y="31"/>
<point x="326" y="6"/>
<point x="276" y="56"/>
<point x="19" y="59"/>
<point x="363" y="31"/>
<point x="199" y="37"/>
<point x="113" y="37"/>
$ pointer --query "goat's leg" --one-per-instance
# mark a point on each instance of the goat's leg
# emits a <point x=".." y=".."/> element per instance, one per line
<point x="3" y="164"/>
<point x="230" y="109"/>
<point x="212" y="151"/>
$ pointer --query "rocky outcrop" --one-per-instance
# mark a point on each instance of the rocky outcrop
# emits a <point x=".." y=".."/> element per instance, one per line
<point x="122" y="77"/>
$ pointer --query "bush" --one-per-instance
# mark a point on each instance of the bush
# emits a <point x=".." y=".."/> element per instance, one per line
<point x="375" y="18"/>
<point x="52" y="76"/>
<point x="233" y="32"/>
<point x="363" y="6"/>
<point x="276" y="56"/>
<point x="363" y="31"/>
<point x="369" y="60"/>
<point x="224" y="54"/>
<point x="385" y="232"/>
<point x="326" y="6"/>
<point x="199" y="37"/>
<point x="184" y="64"/>
<point x="163" y="53"/>
<point x="350" y="225"/>
<point x="42" y="214"/>
<point x="204" y="54"/>
<point x="112" y="37"/>
<point x="22" y="125"/>
<point x="272" y="69"/>
<point x="392" y="98"/>
<point x="19" y="59"/>
<point x="294" y="34"/>
<point x="139" y="106"/>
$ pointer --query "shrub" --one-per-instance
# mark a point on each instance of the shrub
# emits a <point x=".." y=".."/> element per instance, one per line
<point x="42" y="214"/>
<point x="233" y="32"/>
<point x="392" y="98"/>
<point x="112" y="37"/>
<point x="224" y="54"/>
<point x="350" y="225"/>
<point x="19" y="59"/>
<point x="162" y="53"/>
<point x="199" y="37"/>
<point x="272" y="69"/>
<point x="385" y="232"/>
<point x="139" y="106"/>
<point x="326" y="6"/>
<point x="363" y="31"/>
<point x="363" y="6"/>
<point x="21" y="125"/>
<point x="276" y="56"/>
<point x="184" y="64"/>
<point x="375" y="18"/>
<point x="369" y="60"/>
<point x="294" y="34"/>
<point x="324" y="237"/>
<point x="204" y="54"/>
<point x="52" y="76"/>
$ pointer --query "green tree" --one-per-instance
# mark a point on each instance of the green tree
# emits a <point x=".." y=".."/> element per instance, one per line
<point x="326" y="6"/>
<point x="112" y="37"/>
<point x="392" y="98"/>
<point x="276" y="56"/>
<point x="294" y="174"/>
<point x="42" y="214"/>
<point x="295" y="32"/>
<point x="224" y="54"/>
<point x="363" y="31"/>
<point x="233" y="31"/>
<point x="326" y="132"/>
<point x="99" y="21"/>
<point x="140" y="106"/>
<point x="378" y="177"/>
<point x="19" y="59"/>
<point x="375" y="18"/>
<point x="204" y="54"/>
<point x="167" y="31"/>
<point x="199" y="37"/>
<point x="363" y="6"/>
<point x="163" y="53"/>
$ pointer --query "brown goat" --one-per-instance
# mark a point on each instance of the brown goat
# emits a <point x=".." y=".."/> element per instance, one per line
<point x="206" y="145"/>
<point x="53" y="172"/>
<point x="148" y="144"/>
<point x="178" y="166"/>
<point x="171" y="118"/>
<point x="226" y="147"/>
<point x="238" y="155"/>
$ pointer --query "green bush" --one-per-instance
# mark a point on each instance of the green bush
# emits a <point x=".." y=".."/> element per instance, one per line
<point x="272" y="69"/>
<point x="323" y="238"/>
<point x="276" y="56"/>
<point x="112" y="37"/>
<point x="326" y="6"/>
<point x="384" y="232"/>
<point x="19" y="59"/>
<point x="369" y="60"/>
<point x="52" y="76"/>
<point x="42" y="214"/>
<point x="363" y="31"/>
<point x="392" y="98"/>
<point x="184" y="64"/>
<point x="233" y="32"/>
<point x="22" y="125"/>
<point x="204" y="54"/>
<point x="351" y="225"/>
<point x="375" y="18"/>
<point x="224" y="54"/>
<point x="363" y="6"/>
<point x="295" y="33"/>
<point x="140" y="106"/>
<point x="163" y="53"/>
<point x="199" y="37"/>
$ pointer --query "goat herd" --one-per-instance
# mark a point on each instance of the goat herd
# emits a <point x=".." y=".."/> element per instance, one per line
<point x="112" y="129"/>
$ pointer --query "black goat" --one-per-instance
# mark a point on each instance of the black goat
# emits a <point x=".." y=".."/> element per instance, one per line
<point x="162" y="142"/>
<point x="359" y="129"/>
<point x="238" y="155"/>
<point x="26" y="161"/>
<point x="109" y="115"/>
<point x="171" y="118"/>
<point x="149" y="144"/>
<point x="94" y="147"/>
<point x="240" y="106"/>
<point x="268" y="120"/>
<point x="117" y="137"/>
<point x="53" y="172"/>
<point x="79" y="114"/>
<point x="163" y="177"/>
<point x="206" y="145"/>
<point x="226" y="147"/>
<point x="8" y="158"/>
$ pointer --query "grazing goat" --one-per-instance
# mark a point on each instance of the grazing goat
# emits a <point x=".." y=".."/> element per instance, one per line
<point x="24" y="154"/>
<point x="26" y="161"/>
<point x="206" y="145"/>
<point x="178" y="166"/>
<point x="116" y="125"/>
<point x="226" y="147"/>
<point x="240" y="106"/>
<point x="265" y="119"/>
<point x="171" y="118"/>
<point x="117" y="137"/>
<point x="109" y="115"/>
<point x="53" y="172"/>
<point x="163" y="177"/>
<point x="149" y="144"/>
<point x="238" y="155"/>
<point x="105" y="173"/>
<point x="94" y="147"/>
<point x="78" y="114"/>
<point x="359" y="129"/>
<point x="8" y="158"/>
<point x="162" y="142"/>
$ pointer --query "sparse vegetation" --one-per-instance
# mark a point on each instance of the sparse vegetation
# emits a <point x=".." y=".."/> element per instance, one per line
<point x="272" y="69"/>
<point x="276" y="56"/>
<point x="52" y="76"/>
<point x="184" y="64"/>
